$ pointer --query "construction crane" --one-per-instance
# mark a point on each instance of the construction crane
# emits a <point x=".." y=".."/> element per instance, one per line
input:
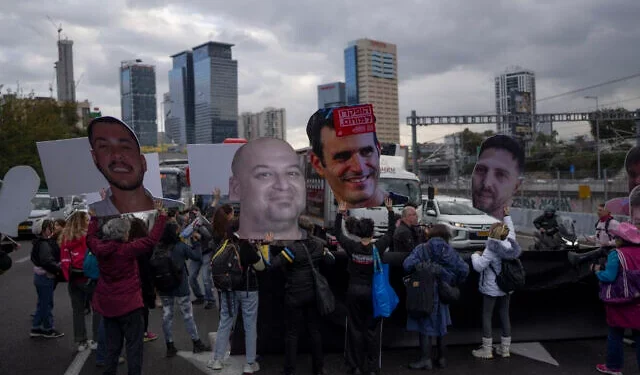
<point x="58" y="27"/>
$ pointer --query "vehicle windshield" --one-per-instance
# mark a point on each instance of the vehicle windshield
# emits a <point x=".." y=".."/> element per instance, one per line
<point x="457" y="208"/>
<point x="170" y="185"/>
<point x="408" y="188"/>
<point x="565" y="226"/>
<point x="41" y="203"/>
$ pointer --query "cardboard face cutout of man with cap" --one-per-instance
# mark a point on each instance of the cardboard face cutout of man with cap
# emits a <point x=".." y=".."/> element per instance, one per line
<point x="116" y="153"/>
<point x="268" y="181"/>
<point x="346" y="153"/>
<point x="496" y="175"/>
<point x="620" y="206"/>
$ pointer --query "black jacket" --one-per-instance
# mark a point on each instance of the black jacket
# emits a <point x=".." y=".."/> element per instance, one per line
<point x="550" y="224"/>
<point x="361" y="256"/>
<point x="248" y="257"/>
<point x="299" y="285"/>
<point x="405" y="238"/>
<point x="45" y="254"/>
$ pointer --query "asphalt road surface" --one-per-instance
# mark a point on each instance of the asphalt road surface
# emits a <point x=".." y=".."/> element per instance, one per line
<point x="20" y="354"/>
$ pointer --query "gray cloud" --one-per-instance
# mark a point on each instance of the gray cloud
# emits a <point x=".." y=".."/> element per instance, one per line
<point x="449" y="51"/>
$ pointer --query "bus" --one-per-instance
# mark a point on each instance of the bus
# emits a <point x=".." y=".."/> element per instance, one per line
<point x="175" y="184"/>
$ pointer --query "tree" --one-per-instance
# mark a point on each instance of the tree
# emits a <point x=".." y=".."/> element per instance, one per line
<point x="470" y="141"/>
<point x="27" y="120"/>
<point x="613" y="129"/>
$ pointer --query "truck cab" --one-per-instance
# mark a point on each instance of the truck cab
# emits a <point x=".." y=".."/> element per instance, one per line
<point x="43" y="206"/>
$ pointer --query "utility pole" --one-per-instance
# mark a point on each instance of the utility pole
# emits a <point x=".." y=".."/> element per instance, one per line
<point x="638" y="128"/>
<point x="606" y="187"/>
<point x="414" y="141"/>
<point x="597" y="132"/>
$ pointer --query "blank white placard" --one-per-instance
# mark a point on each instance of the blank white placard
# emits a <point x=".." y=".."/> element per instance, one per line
<point x="210" y="166"/>
<point x="19" y="186"/>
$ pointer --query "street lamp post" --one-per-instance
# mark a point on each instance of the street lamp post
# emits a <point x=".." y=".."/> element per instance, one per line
<point x="597" y="132"/>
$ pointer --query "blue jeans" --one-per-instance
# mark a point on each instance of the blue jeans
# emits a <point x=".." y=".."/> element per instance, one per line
<point x="615" y="347"/>
<point x="187" y="314"/>
<point x="43" y="318"/>
<point x="194" y="271"/>
<point x="248" y="303"/>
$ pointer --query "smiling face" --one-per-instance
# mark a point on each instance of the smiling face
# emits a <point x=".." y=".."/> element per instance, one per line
<point x="350" y="164"/>
<point x="117" y="156"/>
<point x="270" y="185"/>
<point x="494" y="181"/>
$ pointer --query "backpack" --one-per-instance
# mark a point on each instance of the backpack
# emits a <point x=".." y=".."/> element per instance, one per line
<point x="419" y="286"/>
<point x="166" y="275"/>
<point x="606" y="227"/>
<point x="90" y="265"/>
<point x="226" y="268"/>
<point x="511" y="276"/>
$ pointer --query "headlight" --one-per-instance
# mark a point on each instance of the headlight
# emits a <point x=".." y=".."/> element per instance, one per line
<point x="568" y="242"/>
<point x="459" y="225"/>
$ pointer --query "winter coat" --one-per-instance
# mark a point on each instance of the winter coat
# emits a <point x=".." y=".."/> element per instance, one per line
<point x="45" y="256"/>
<point x="179" y="254"/>
<point x="118" y="291"/>
<point x="454" y="271"/>
<point x="361" y="256"/>
<point x="625" y="315"/>
<point x="291" y="255"/>
<point x="72" y="254"/>
<point x="490" y="261"/>
<point x="406" y="238"/>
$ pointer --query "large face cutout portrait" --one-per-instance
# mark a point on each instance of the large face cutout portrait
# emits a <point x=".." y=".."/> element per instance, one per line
<point x="115" y="150"/>
<point x="269" y="183"/>
<point x="496" y="175"/>
<point x="349" y="163"/>
<point x="620" y="206"/>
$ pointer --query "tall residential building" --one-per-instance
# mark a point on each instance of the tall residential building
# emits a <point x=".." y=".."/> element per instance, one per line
<point x="515" y="93"/>
<point x="271" y="122"/>
<point x="64" y="72"/>
<point x="180" y="120"/>
<point x="371" y="77"/>
<point x="332" y="95"/>
<point x="215" y="93"/>
<point x="138" y="100"/>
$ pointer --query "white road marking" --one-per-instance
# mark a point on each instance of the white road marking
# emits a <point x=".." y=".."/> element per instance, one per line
<point x="78" y="362"/>
<point x="22" y="260"/>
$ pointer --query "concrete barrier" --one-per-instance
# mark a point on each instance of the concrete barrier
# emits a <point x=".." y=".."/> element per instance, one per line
<point x="584" y="223"/>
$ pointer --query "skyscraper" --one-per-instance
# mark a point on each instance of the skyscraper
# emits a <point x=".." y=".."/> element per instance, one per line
<point x="215" y="93"/>
<point x="271" y="122"/>
<point x="371" y="76"/>
<point x="332" y="95"/>
<point x="64" y="72"/>
<point x="516" y="94"/>
<point x="181" y="116"/>
<point x="138" y="100"/>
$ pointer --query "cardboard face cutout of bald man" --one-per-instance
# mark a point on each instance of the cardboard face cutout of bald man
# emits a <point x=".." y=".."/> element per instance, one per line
<point x="268" y="181"/>
<point x="496" y="175"/>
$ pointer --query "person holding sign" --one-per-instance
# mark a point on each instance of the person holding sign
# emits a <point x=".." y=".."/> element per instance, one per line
<point x="116" y="153"/>
<point x="496" y="175"/>
<point x="345" y="151"/>
<point x="269" y="183"/>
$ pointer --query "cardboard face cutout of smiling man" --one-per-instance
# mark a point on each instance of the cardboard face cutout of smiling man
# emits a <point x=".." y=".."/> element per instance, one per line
<point x="496" y="175"/>
<point x="268" y="181"/>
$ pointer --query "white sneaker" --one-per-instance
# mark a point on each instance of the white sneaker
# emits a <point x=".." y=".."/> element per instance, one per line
<point x="250" y="368"/>
<point x="92" y="344"/>
<point x="214" y="364"/>
<point x="83" y="346"/>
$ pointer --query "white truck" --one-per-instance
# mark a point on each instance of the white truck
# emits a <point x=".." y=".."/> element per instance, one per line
<point x="322" y="206"/>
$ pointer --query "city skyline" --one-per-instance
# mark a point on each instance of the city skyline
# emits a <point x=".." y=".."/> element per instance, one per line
<point x="283" y="56"/>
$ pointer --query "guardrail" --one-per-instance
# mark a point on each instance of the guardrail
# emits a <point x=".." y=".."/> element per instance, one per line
<point x="584" y="223"/>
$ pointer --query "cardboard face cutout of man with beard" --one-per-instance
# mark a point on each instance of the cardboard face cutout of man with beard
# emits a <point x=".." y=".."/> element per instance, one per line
<point x="620" y="206"/>
<point x="496" y="175"/>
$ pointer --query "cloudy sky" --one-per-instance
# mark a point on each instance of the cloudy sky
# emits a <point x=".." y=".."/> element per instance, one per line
<point x="449" y="50"/>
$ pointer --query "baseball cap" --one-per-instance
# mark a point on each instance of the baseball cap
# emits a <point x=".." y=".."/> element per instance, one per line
<point x="110" y="119"/>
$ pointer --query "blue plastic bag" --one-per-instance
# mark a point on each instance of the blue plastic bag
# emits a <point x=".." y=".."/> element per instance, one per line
<point x="90" y="266"/>
<point x="384" y="298"/>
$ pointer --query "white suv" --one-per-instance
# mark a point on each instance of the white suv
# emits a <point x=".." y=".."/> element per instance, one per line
<point x="469" y="226"/>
